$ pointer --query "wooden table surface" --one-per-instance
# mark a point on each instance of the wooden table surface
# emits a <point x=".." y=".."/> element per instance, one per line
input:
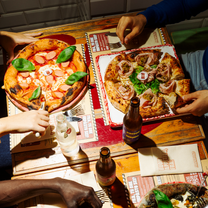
<point x="168" y="132"/>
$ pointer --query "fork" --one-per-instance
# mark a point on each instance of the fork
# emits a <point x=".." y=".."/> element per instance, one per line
<point x="102" y="196"/>
<point x="201" y="203"/>
<point x="76" y="111"/>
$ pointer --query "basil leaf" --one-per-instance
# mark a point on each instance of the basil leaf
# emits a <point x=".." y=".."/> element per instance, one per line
<point x="75" y="77"/>
<point x="22" y="64"/>
<point x="36" y="93"/>
<point x="162" y="200"/>
<point x="66" y="54"/>
<point x="154" y="66"/>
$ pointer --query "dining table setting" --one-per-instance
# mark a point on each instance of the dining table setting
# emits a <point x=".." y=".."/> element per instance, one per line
<point x="170" y="149"/>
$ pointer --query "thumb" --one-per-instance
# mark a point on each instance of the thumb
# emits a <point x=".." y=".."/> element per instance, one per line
<point x="189" y="97"/>
<point x="130" y="36"/>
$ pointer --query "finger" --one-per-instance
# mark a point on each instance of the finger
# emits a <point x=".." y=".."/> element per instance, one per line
<point x="120" y="33"/>
<point x="186" y="109"/>
<point x="94" y="201"/>
<point x="43" y="123"/>
<point x="131" y="35"/>
<point x="190" y="96"/>
<point x="33" y="34"/>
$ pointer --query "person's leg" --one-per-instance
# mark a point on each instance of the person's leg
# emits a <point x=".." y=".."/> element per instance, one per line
<point x="5" y="158"/>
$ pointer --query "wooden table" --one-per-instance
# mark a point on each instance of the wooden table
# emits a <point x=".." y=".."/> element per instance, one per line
<point x="47" y="163"/>
<point x="167" y="132"/>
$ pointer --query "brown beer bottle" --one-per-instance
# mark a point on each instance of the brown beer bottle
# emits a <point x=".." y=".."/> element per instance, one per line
<point x="132" y="122"/>
<point x="105" y="168"/>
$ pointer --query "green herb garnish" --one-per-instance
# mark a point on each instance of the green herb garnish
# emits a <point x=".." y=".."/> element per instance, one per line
<point x="36" y="93"/>
<point x="162" y="200"/>
<point x="22" y="64"/>
<point x="75" y="77"/>
<point x="140" y="87"/>
<point x="65" y="54"/>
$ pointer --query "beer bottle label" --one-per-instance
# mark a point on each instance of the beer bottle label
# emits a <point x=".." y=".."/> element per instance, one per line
<point x="130" y="136"/>
<point x="106" y="181"/>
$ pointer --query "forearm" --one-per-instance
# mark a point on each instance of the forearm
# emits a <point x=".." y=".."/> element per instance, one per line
<point x="169" y="11"/>
<point x="6" y="126"/>
<point x="13" y="192"/>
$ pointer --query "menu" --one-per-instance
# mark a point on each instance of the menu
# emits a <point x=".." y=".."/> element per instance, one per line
<point x="137" y="186"/>
<point x="106" y="41"/>
<point x="86" y="129"/>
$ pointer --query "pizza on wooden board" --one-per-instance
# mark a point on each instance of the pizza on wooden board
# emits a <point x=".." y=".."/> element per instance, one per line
<point x="49" y="71"/>
<point x="156" y="80"/>
<point x="174" y="195"/>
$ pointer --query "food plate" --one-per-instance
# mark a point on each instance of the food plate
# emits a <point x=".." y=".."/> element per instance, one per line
<point x="178" y="192"/>
<point x="114" y="116"/>
<point x="66" y="99"/>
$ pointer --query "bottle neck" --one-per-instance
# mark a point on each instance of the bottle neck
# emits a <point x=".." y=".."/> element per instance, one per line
<point x="105" y="160"/>
<point x="133" y="112"/>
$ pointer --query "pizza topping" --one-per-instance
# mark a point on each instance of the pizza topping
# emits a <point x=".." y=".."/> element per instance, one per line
<point x="148" y="75"/>
<point x="125" y="68"/>
<point x="66" y="54"/>
<point x="146" y="59"/>
<point x="75" y="77"/>
<point x="59" y="73"/>
<point x="162" y="199"/>
<point x="163" y="72"/>
<point x="126" y="91"/>
<point x="51" y="55"/>
<point x="65" y="64"/>
<point x="36" y="94"/>
<point x="64" y="87"/>
<point x="24" y="74"/>
<point x="142" y="76"/>
<point x="57" y="94"/>
<point x="148" y="99"/>
<point x="22" y="64"/>
<point x="39" y="59"/>
<point x="49" y="79"/>
<point x="168" y="87"/>
<point x="47" y="72"/>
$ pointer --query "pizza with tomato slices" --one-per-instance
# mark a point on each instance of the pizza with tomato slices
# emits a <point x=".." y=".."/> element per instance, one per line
<point x="47" y="71"/>
<point x="156" y="77"/>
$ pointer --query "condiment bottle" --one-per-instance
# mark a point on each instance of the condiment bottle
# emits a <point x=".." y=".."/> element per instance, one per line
<point x="66" y="136"/>
<point x="105" y="168"/>
<point x="132" y="122"/>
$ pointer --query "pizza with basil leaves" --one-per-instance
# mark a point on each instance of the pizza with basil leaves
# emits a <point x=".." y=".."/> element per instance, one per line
<point x="49" y="71"/>
<point x="175" y="195"/>
<point x="155" y="77"/>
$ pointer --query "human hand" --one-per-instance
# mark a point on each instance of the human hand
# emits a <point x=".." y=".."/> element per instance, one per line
<point x="199" y="106"/>
<point x="9" y="40"/>
<point x="135" y="23"/>
<point x="74" y="194"/>
<point x="34" y="120"/>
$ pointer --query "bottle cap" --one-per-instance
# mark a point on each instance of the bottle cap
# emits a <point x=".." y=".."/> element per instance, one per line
<point x="104" y="152"/>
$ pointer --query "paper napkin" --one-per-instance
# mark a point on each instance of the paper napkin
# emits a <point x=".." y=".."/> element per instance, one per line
<point x="169" y="160"/>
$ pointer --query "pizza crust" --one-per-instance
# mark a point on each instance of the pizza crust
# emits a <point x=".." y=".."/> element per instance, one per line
<point x="159" y="109"/>
<point x="116" y="100"/>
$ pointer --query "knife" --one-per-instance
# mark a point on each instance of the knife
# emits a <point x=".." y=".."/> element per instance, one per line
<point x="73" y="118"/>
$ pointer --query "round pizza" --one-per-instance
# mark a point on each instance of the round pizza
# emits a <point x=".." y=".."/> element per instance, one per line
<point x="158" y="81"/>
<point x="47" y="71"/>
<point x="175" y="195"/>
